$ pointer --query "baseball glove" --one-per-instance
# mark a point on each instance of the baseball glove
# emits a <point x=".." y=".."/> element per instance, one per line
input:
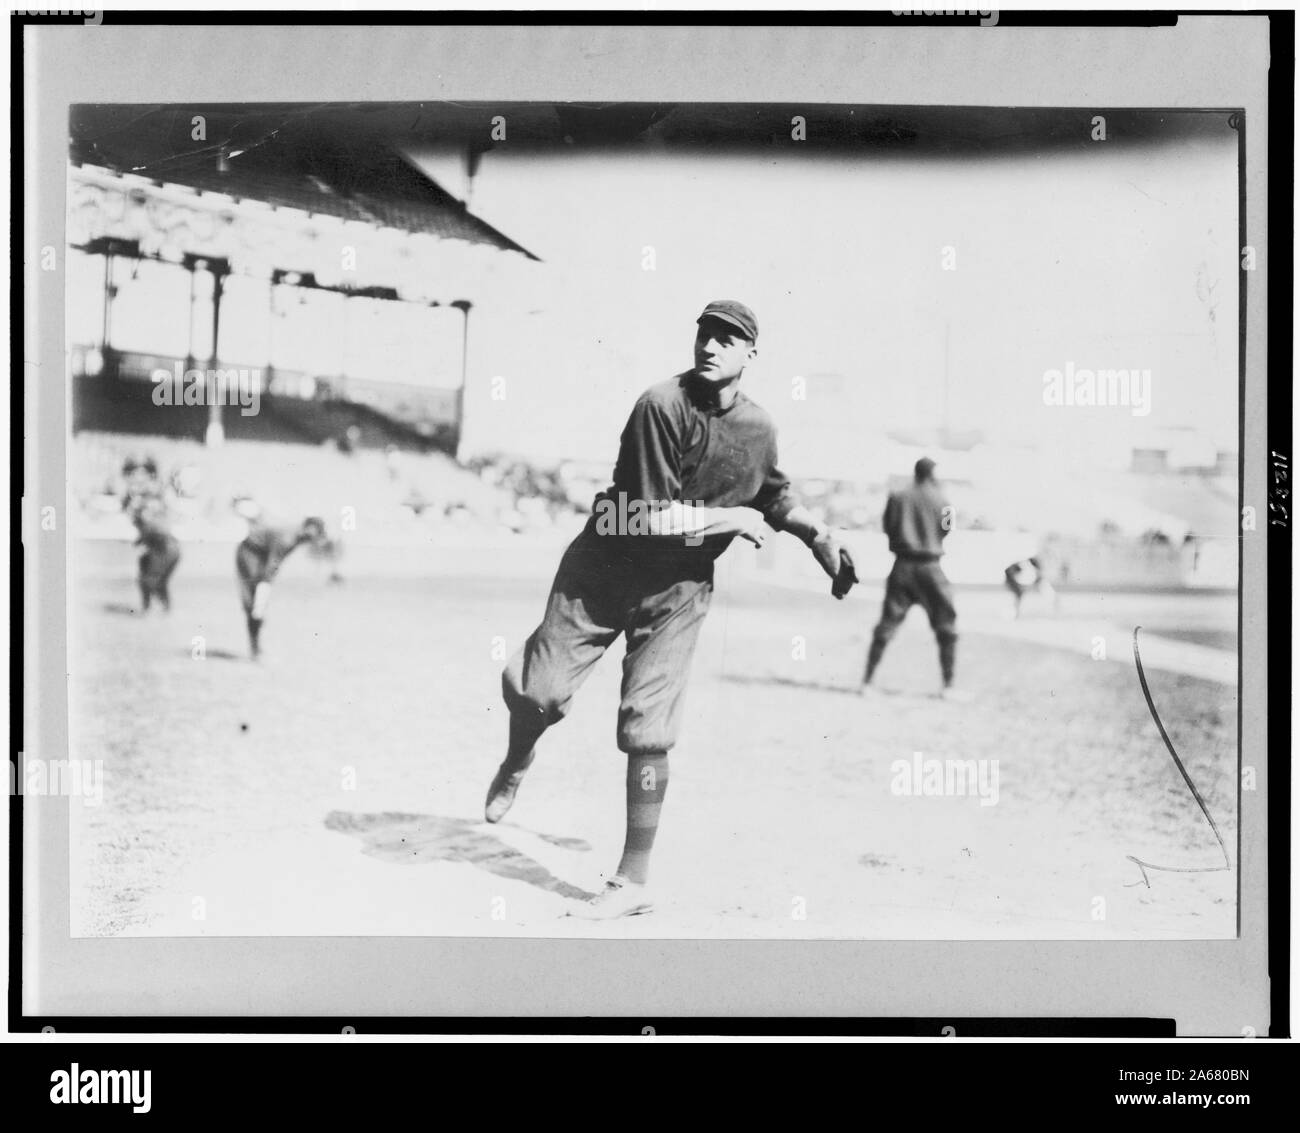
<point x="846" y="576"/>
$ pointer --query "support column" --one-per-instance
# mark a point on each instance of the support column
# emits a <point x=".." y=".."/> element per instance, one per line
<point x="216" y="432"/>
<point x="463" y="305"/>
<point x="108" y="363"/>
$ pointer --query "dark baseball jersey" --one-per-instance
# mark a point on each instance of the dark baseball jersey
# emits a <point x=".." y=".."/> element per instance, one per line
<point x="264" y="549"/>
<point x="655" y="590"/>
<point x="152" y="529"/>
<point x="680" y="445"/>
<point x="914" y="522"/>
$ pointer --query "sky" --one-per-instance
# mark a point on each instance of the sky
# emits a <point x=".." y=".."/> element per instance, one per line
<point x="1122" y="258"/>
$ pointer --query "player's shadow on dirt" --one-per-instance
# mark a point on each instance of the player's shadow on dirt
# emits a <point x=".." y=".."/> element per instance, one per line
<point x="121" y="608"/>
<point x="854" y="691"/>
<point x="409" y="839"/>
<point x="221" y="655"/>
<point x="819" y="686"/>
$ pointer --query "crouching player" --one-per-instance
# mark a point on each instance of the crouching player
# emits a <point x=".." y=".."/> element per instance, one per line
<point x="257" y="561"/>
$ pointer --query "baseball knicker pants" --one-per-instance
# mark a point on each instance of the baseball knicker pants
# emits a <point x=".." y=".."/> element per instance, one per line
<point x="603" y="589"/>
<point x="913" y="582"/>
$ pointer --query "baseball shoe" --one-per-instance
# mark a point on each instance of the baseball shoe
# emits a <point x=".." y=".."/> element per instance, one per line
<point x="501" y="795"/>
<point x="619" y="898"/>
<point x="955" y="695"/>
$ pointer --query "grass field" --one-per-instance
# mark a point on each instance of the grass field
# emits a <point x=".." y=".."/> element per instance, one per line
<point x="337" y="786"/>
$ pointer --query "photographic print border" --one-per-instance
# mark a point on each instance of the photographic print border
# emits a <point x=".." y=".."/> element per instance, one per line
<point x="467" y="984"/>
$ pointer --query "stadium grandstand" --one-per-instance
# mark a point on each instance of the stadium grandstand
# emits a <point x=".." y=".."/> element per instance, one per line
<point x="304" y="291"/>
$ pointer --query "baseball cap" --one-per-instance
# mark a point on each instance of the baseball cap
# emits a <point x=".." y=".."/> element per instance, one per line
<point x="734" y="313"/>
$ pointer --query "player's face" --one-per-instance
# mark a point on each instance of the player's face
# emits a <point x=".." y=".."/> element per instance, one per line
<point x="721" y="351"/>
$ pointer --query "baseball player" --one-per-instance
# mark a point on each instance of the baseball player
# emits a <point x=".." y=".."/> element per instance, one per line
<point x="916" y="521"/>
<point x="257" y="561"/>
<point x="697" y="467"/>
<point x="162" y="550"/>
<point x="1025" y="576"/>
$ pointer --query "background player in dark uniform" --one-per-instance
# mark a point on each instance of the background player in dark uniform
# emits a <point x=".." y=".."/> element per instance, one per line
<point x="916" y="522"/>
<point x="257" y="561"/>
<point x="697" y="466"/>
<point x="162" y="550"/>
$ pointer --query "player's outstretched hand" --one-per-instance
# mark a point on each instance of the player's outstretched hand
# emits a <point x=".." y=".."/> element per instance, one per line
<point x="750" y="525"/>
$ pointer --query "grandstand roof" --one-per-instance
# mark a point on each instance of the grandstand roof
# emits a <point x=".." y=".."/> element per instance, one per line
<point x="283" y="159"/>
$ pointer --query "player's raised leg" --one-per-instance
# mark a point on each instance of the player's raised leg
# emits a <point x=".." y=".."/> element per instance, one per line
<point x="540" y="679"/>
<point x="526" y="728"/>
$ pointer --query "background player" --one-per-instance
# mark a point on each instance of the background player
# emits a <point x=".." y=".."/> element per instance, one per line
<point x="257" y="561"/>
<point x="162" y="550"/>
<point x="1026" y="576"/>
<point x="916" y="521"/>
<point x="698" y="458"/>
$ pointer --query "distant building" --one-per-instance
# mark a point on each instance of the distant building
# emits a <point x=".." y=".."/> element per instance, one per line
<point x="1182" y="450"/>
<point x="1150" y="460"/>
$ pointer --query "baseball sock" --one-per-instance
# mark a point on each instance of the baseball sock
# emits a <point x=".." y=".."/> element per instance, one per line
<point x="947" y="657"/>
<point x="876" y="652"/>
<point x="647" y="782"/>
<point x="526" y="729"/>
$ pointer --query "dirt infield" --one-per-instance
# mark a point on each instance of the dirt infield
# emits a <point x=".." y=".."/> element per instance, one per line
<point x="337" y="786"/>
